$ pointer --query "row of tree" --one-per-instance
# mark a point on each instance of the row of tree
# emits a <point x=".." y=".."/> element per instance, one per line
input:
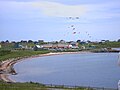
<point x="22" y="41"/>
<point x="42" y="41"/>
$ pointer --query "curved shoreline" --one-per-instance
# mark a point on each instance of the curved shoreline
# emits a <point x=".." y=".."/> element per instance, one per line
<point x="6" y="67"/>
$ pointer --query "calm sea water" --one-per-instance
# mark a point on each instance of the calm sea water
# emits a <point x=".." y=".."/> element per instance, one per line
<point x="91" y="69"/>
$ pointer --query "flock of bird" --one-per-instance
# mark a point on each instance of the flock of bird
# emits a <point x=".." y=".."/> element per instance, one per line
<point x="73" y="28"/>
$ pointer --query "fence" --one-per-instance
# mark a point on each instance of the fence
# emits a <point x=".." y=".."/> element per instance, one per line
<point x="78" y="87"/>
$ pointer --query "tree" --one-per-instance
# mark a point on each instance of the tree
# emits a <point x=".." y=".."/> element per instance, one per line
<point x="62" y="41"/>
<point x="118" y="40"/>
<point x="2" y="42"/>
<point x="40" y="41"/>
<point x="30" y="41"/>
<point x="23" y="41"/>
<point x="7" y="41"/>
<point x="13" y="42"/>
<point x="78" y="41"/>
<point x="35" y="42"/>
<point x="88" y="41"/>
<point x="56" y="42"/>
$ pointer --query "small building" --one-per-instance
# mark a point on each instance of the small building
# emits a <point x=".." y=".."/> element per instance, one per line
<point x="47" y="46"/>
<point x="63" y="46"/>
<point x="56" y="46"/>
<point x="37" y="47"/>
<point x="23" y="46"/>
<point x="103" y="41"/>
<point x="74" y="45"/>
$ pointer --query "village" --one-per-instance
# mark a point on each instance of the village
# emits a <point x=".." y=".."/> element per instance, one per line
<point x="62" y="45"/>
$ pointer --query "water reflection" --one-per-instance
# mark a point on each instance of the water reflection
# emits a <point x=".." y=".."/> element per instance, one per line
<point x="119" y="59"/>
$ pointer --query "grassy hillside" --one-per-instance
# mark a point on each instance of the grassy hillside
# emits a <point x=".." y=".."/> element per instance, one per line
<point x="8" y="54"/>
<point x="108" y="44"/>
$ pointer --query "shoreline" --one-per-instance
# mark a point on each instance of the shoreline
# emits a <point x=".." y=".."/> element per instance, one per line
<point x="6" y="67"/>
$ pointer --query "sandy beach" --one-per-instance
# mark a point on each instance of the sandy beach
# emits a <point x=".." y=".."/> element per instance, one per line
<point x="6" y="67"/>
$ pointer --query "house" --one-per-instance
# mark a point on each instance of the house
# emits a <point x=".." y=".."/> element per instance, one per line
<point x="103" y="41"/>
<point x="23" y="47"/>
<point x="56" y="46"/>
<point x="63" y="45"/>
<point x="37" y="47"/>
<point x="47" y="46"/>
<point x="74" y="45"/>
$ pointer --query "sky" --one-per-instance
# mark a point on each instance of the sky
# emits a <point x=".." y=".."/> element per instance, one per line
<point x="53" y="20"/>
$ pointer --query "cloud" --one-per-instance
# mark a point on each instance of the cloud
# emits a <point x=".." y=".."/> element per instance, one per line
<point x="60" y="10"/>
<point x="38" y="9"/>
<point x="42" y="8"/>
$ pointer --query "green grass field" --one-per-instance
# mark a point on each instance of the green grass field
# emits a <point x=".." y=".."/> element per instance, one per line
<point x="8" y="54"/>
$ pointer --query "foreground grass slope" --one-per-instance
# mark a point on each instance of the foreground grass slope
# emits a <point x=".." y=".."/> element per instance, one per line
<point x="35" y="86"/>
<point x="21" y="86"/>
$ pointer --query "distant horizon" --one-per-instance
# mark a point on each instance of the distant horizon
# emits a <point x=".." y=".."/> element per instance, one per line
<point x="52" y="20"/>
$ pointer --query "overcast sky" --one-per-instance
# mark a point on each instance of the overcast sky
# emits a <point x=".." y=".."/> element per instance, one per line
<point x="55" y="19"/>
